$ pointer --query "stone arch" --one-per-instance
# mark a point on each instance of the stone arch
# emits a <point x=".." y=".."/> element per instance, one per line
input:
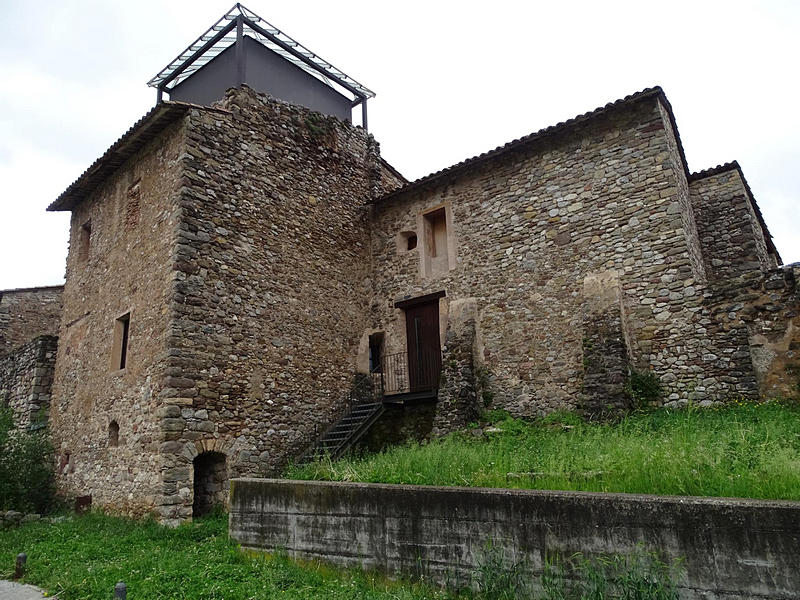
<point x="210" y="482"/>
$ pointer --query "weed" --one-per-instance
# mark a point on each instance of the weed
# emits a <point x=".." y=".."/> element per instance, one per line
<point x="319" y="126"/>
<point x="496" y="579"/>
<point x="641" y="575"/>
<point x="84" y="557"/>
<point x="742" y="450"/>
<point x="27" y="482"/>
<point x="644" y="388"/>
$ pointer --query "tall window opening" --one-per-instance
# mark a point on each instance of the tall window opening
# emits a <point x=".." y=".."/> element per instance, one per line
<point x="436" y="248"/>
<point x="113" y="434"/>
<point x="119" y="351"/>
<point x="132" y="207"/>
<point x="84" y="241"/>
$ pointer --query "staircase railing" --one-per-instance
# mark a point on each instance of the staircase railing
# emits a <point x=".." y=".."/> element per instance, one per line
<point x="365" y="390"/>
<point x="398" y="377"/>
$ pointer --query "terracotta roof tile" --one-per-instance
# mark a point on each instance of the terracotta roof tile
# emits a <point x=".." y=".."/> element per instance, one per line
<point x="536" y="136"/>
<point x="141" y="132"/>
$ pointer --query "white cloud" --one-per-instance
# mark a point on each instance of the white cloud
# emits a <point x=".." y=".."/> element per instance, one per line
<point x="454" y="79"/>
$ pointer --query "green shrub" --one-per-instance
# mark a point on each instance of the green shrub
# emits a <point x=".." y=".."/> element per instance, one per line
<point x="641" y="575"/>
<point x="498" y="580"/>
<point x="27" y="482"/>
<point x="644" y="388"/>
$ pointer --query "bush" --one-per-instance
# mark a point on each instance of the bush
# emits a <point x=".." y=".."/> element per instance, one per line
<point x="641" y="575"/>
<point x="644" y="389"/>
<point x="27" y="482"/>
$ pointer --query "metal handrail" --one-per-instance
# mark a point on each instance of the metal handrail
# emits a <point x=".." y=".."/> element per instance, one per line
<point x="398" y="378"/>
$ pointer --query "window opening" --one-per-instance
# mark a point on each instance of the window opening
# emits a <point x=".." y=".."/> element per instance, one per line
<point x="406" y="241"/>
<point x="85" y="239"/>
<point x="436" y="260"/>
<point x="113" y="434"/>
<point x="132" y="207"/>
<point x="120" y="346"/>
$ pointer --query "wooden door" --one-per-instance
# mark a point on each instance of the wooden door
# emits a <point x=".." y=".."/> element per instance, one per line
<point x="424" y="348"/>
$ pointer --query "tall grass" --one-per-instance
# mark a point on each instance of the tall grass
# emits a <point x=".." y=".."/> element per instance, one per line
<point x="740" y="450"/>
<point x="82" y="558"/>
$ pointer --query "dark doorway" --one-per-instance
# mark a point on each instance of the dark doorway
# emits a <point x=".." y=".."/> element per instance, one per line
<point x="210" y="482"/>
<point x="424" y="348"/>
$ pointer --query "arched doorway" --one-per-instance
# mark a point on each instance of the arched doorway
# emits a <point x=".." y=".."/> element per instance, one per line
<point x="210" y="482"/>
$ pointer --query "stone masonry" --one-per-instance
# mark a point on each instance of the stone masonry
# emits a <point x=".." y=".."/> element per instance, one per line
<point x="244" y="212"/>
<point x="119" y="262"/>
<point x="27" y="313"/>
<point x="730" y="224"/>
<point x="606" y="195"/>
<point x="26" y="379"/>
<point x="231" y="267"/>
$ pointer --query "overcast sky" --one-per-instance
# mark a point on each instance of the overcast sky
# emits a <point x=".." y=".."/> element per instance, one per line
<point x="453" y="79"/>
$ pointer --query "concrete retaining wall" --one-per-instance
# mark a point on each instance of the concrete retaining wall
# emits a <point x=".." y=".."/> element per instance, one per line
<point x="733" y="549"/>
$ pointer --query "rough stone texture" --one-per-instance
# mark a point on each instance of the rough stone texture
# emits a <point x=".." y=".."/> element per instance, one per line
<point x="256" y="247"/>
<point x="28" y="313"/>
<point x="605" y="364"/>
<point x="271" y="217"/>
<point x="609" y="194"/>
<point x="128" y="268"/>
<point x="26" y="378"/>
<point x="244" y="213"/>
<point x="761" y="312"/>
<point x="398" y="424"/>
<point x="732" y="549"/>
<point x="731" y="237"/>
<point x="457" y="404"/>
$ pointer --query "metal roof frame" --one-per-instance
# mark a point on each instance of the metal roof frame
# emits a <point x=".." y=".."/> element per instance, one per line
<point x="230" y="30"/>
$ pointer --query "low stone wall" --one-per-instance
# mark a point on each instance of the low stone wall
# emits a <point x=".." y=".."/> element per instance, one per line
<point x="733" y="549"/>
<point x="26" y="379"/>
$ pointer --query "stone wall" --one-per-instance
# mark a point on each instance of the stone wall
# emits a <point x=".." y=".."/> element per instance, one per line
<point x="271" y="287"/>
<point x="254" y="248"/>
<point x="730" y="549"/>
<point x="398" y="424"/>
<point x="120" y="262"/>
<point x="732" y="238"/>
<point x="761" y="311"/>
<point x="606" y="196"/>
<point x="28" y="313"/>
<point x="26" y="379"/>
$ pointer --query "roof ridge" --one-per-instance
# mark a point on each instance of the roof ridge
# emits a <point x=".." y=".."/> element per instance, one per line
<point x="170" y="108"/>
<point x="550" y="130"/>
<point x="735" y="166"/>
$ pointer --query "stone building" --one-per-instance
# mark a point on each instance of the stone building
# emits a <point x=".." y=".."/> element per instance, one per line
<point x="244" y="266"/>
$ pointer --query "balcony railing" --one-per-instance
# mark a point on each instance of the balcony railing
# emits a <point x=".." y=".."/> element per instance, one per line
<point x="396" y="376"/>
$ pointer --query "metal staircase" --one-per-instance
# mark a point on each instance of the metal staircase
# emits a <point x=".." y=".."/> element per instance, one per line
<point x="363" y="406"/>
<point x="389" y="382"/>
<point x="345" y="432"/>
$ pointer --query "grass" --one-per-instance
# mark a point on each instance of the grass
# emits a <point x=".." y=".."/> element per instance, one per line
<point x="83" y="557"/>
<point x="739" y="450"/>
